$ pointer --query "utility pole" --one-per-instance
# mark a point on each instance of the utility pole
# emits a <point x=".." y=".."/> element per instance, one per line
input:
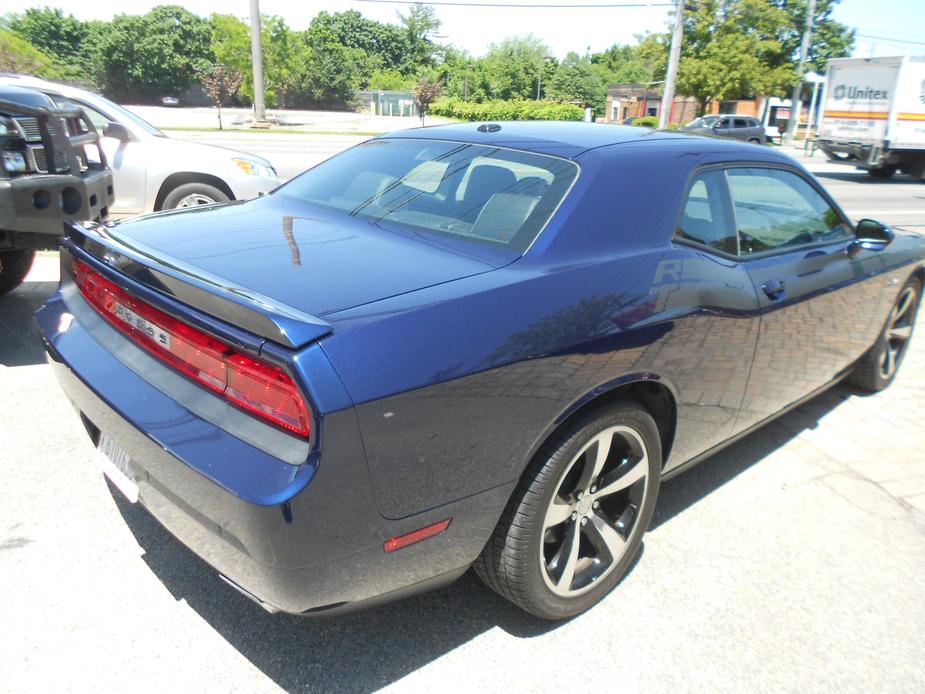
<point x="674" y="57"/>
<point x="260" y="112"/>
<point x="795" y="98"/>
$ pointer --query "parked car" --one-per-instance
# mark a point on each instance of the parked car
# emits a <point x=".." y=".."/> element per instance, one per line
<point x="464" y="346"/>
<point x="52" y="168"/>
<point x="170" y="101"/>
<point x="152" y="171"/>
<point x="737" y="127"/>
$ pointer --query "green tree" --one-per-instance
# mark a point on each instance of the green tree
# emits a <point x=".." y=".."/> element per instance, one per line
<point x="18" y="55"/>
<point x="390" y="80"/>
<point x="421" y="26"/>
<point x="145" y="57"/>
<point x="512" y="68"/>
<point x="331" y="77"/>
<point x="384" y="42"/>
<point x="744" y="48"/>
<point x="230" y="43"/>
<point x="637" y="64"/>
<point x="285" y="54"/>
<point x="575" y="81"/>
<point x="831" y="39"/>
<point x="62" y="38"/>
<point x="733" y="49"/>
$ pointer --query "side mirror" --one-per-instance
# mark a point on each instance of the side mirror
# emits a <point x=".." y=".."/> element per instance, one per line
<point x="117" y="131"/>
<point x="872" y="235"/>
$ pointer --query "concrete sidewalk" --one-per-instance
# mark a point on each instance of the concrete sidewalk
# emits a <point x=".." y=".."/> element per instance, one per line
<point x="289" y="120"/>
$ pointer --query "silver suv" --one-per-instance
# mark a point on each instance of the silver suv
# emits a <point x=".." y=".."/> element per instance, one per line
<point x="726" y="125"/>
<point x="151" y="171"/>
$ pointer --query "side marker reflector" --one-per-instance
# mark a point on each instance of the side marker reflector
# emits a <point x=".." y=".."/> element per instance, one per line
<point x="416" y="535"/>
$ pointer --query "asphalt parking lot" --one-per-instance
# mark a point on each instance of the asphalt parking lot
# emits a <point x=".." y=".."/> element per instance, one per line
<point x="790" y="562"/>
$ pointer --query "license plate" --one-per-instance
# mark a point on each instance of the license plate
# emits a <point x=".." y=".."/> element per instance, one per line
<point x="115" y="463"/>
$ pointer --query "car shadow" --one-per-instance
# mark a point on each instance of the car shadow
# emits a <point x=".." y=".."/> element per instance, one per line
<point x="682" y="492"/>
<point x="20" y="344"/>
<point x="367" y="650"/>
<point x="354" y="652"/>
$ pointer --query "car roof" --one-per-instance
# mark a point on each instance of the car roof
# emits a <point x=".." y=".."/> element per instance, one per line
<point x="567" y="139"/>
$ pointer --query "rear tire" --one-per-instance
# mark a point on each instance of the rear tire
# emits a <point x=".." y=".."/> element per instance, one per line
<point x="754" y="140"/>
<point x="882" y="172"/>
<point x="193" y="195"/>
<point x="575" y="523"/>
<point x="15" y="266"/>
<point x="878" y="367"/>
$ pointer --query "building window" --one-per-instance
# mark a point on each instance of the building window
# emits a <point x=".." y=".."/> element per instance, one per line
<point x="652" y="111"/>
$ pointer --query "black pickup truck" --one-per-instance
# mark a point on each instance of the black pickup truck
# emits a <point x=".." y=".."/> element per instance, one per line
<point x="52" y="169"/>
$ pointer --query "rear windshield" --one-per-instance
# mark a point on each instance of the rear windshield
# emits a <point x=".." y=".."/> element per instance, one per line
<point x="482" y="194"/>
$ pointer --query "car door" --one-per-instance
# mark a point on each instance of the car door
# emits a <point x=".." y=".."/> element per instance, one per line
<point x="710" y="352"/>
<point x="740" y="129"/>
<point x="723" y="127"/>
<point x="126" y="159"/>
<point x="818" y="302"/>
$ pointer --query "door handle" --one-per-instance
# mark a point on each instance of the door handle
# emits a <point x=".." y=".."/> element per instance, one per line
<point x="775" y="289"/>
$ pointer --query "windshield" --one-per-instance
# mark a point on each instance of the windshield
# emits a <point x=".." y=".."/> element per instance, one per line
<point x="703" y="122"/>
<point x="125" y="113"/>
<point x="478" y="193"/>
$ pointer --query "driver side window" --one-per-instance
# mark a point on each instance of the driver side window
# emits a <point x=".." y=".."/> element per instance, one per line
<point x="775" y="209"/>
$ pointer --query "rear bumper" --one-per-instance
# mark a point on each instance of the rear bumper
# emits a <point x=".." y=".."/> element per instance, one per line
<point x="41" y="203"/>
<point x="296" y="538"/>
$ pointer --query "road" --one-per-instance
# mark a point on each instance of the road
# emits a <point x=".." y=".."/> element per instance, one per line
<point x="289" y="154"/>
<point x="790" y="562"/>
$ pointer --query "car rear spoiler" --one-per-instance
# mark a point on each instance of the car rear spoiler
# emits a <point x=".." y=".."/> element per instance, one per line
<point x="213" y="295"/>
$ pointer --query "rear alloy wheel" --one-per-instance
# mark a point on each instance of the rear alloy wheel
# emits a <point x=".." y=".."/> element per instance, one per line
<point x="576" y="521"/>
<point x="193" y="195"/>
<point x="14" y="266"/>
<point x="877" y="369"/>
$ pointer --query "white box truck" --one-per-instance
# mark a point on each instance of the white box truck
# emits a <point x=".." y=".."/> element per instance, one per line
<point x="873" y="115"/>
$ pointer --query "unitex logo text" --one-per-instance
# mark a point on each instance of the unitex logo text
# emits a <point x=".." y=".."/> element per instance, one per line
<point x="858" y="93"/>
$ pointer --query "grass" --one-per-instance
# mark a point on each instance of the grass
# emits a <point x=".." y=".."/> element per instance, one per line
<point x="287" y="131"/>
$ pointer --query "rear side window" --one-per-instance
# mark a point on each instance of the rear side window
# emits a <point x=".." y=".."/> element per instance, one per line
<point x="775" y="209"/>
<point x="705" y="218"/>
<point x="741" y="123"/>
<point x="478" y="193"/>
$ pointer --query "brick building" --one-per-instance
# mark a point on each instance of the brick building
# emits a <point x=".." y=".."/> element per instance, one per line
<point x="638" y="100"/>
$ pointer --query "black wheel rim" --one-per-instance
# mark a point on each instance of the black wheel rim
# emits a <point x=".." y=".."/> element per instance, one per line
<point x="595" y="509"/>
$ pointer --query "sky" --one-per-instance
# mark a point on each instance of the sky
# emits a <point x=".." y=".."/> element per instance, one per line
<point x="885" y="27"/>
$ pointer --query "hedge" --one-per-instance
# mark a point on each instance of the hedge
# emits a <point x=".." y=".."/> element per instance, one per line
<point x="647" y="121"/>
<point x="505" y="110"/>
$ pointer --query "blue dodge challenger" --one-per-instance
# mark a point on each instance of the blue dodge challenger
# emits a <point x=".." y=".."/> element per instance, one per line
<point x="465" y="346"/>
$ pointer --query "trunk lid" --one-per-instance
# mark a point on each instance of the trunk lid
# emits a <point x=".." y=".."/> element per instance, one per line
<point x="283" y="261"/>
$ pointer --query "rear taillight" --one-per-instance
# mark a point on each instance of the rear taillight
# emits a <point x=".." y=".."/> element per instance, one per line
<point x="262" y="389"/>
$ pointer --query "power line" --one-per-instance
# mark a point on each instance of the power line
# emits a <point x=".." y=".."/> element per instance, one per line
<point x="568" y="6"/>
<point x="884" y="39"/>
